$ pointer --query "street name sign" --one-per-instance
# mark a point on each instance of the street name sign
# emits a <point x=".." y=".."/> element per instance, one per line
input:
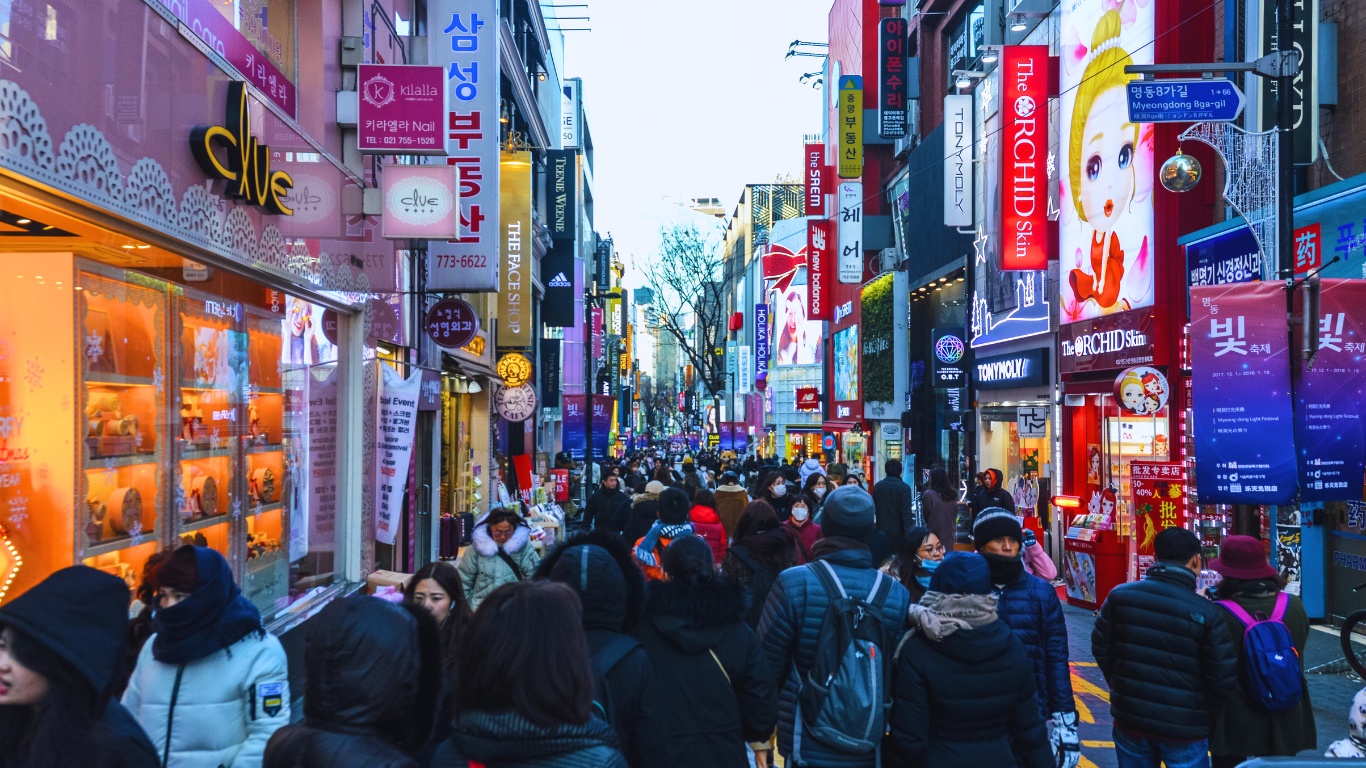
<point x="1184" y="101"/>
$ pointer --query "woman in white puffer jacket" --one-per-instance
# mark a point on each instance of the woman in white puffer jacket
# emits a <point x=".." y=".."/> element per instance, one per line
<point x="211" y="685"/>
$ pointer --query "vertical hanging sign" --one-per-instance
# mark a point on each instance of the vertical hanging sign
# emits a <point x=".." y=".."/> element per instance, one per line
<point x="817" y="183"/>
<point x="557" y="266"/>
<point x="514" y="300"/>
<point x="851" y="232"/>
<point x="818" y="269"/>
<point x="1240" y="391"/>
<point x="761" y="345"/>
<point x="1304" y="96"/>
<point x="1329" y="435"/>
<point x="851" y="127"/>
<point x="467" y="50"/>
<point x="397" y="427"/>
<point x="891" y="72"/>
<point x="958" y="170"/>
<point x="1024" y="157"/>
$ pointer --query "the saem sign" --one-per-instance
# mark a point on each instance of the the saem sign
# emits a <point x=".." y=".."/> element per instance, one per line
<point x="815" y="179"/>
<point x="1024" y="105"/>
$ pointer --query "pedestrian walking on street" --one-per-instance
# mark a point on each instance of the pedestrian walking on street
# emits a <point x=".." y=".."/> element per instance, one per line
<point x="715" y="695"/>
<point x="731" y="500"/>
<point x="894" y="501"/>
<point x="1168" y="658"/>
<point x="606" y="504"/>
<point x="211" y="685"/>
<point x="61" y="648"/>
<point x="800" y="609"/>
<point x="803" y="532"/>
<point x="761" y="550"/>
<point x="706" y="522"/>
<point x="643" y="512"/>
<point x="915" y="562"/>
<point x="372" y="680"/>
<point x="963" y="694"/>
<point x="815" y="489"/>
<point x="673" y="522"/>
<point x="1030" y="607"/>
<point x="599" y="566"/>
<point x="991" y="494"/>
<point x="437" y="589"/>
<point x="525" y="695"/>
<point x="939" y="505"/>
<point x="500" y="553"/>
<point x="773" y="489"/>
<point x="1253" y="589"/>
<point x="810" y="468"/>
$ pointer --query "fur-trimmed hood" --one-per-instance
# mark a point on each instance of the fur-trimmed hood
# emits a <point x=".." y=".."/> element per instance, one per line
<point x="609" y="602"/>
<point x="486" y="546"/>
<point x="695" y="617"/>
<point x="643" y="498"/>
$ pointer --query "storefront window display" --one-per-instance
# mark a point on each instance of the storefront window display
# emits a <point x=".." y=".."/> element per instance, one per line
<point x="149" y="411"/>
<point x="1024" y="459"/>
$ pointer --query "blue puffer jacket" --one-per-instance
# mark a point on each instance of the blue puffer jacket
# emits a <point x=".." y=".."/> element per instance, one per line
<point x="790" y="627"/>
<point x="1030" y="607"/>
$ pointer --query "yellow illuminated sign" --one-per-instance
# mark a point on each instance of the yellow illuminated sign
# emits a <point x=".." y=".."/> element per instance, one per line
<point x="851" y="127"/>
<point x="248" y="161"/>
<point x="514" y="369"/>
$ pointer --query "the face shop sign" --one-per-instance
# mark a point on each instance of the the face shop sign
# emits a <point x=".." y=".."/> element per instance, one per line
<point x="1018" y="369"/>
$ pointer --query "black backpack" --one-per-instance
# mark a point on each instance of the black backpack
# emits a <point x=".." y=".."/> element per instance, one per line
<point x="604" y="661"/>
<point x="759" y="585"/>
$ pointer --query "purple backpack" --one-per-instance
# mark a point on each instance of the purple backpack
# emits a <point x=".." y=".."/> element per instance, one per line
<point x="1271" y="665"/>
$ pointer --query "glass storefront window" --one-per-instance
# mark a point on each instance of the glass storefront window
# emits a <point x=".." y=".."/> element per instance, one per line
<point x="1023" y="460"/>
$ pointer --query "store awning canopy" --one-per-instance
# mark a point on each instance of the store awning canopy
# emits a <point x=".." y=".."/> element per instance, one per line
<point x="840" y="426"/>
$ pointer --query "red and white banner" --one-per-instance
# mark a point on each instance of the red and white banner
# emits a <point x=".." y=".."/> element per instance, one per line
<point x="1024" y="156"/>
<point x="817" y="175"/>
<point x="808" y="399"/>
<point x="818" y="269"/>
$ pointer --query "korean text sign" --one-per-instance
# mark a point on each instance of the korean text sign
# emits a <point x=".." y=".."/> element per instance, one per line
<point x="219" y="33"/>
<point x="1329" y="438"/>
<point x="851" y="127"/>
<point x="851" y="232"/>
<point x="576" y="425"/>
<point x="465" y="44"/>
<point x="1159" y="498"/>
<point x="819" y="241"/>
<point x="1240" y="361"/>
<point x="1024" y="153"/>
<point x="402" y="109"/>
<point x="891" y="95"/>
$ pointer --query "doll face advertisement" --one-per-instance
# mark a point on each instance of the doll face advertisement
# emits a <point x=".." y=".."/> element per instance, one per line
<point x="1105" y="226"/>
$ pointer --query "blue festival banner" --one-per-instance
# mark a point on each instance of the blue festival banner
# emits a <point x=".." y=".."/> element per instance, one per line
<point x="727" y="436"/>
<point x="1329" y="436"/>
<point x="602" y="424"/>
<point x="1240" y="362"/>
<point x="761" y="342"/>
<point x="694" y="441"/>
<point x="741" y="439"/>
<point x="576" y="425"/>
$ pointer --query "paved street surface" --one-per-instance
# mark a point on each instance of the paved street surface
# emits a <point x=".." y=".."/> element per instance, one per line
<point x="1331" y="691"/>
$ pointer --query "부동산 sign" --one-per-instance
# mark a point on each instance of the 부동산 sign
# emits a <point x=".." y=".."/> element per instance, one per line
<point x="1240" y="362"/>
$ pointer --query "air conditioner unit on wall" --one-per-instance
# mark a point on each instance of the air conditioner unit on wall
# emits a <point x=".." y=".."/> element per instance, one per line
<point x="888" y="259"/>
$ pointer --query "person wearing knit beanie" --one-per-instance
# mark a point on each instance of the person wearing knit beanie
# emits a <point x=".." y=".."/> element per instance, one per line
<point x="849" y="513"/>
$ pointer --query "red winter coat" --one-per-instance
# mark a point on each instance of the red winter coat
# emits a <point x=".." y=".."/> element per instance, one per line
<point x="803" y="538"/>
<point x="707" y="524"/>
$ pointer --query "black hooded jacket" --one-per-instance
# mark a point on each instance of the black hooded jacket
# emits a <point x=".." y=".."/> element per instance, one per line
<point x="372" y="680"/>
<point x="967" y="700"/>
<point x="992" y="495"/>
<point x="604" y="507"/>
<point x="81" y="615"/>
<point x="708" y="666"/>
<point x="598" y="565"/>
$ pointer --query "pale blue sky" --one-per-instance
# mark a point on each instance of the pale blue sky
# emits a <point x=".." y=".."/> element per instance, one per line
<point x="690" y="99"/>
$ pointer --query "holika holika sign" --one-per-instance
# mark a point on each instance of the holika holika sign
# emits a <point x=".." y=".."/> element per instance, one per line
<point x="247" y="167"/>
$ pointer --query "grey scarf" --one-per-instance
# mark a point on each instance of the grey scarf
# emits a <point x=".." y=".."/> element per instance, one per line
<point x="939" y="615"/>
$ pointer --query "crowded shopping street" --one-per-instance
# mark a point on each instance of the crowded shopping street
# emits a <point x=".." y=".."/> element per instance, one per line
<point x="805" y="383"/>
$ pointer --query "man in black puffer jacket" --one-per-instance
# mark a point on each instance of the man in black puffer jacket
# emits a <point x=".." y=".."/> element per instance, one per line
<point x="1168" y="658"/>
<point x="599" y="566"/>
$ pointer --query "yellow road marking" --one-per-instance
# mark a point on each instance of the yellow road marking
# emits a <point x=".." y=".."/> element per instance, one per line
<point x="1083" y="711"/>
<point x="1082" y="685"/>
<point x="1084" y="664"/>
<point x="1086" y="763"/>
<point x="1099" y="744"/>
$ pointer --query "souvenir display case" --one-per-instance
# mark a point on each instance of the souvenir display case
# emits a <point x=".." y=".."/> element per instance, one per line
<point x="123" y="388"/>
<point x="267" y="441"/>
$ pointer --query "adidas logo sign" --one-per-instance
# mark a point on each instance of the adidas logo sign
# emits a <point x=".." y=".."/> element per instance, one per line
<point x="560" y="281"/>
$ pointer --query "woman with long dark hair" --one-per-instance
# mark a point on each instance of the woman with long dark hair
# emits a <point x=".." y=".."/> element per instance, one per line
<point x="437" y="588"/>
<point x="917" y="558"/>
<point x="61" y="648"/>
<point x="815" y="490"/>
<point x="940" y="505"/>
<point x="773" y="489"/>
<point x="760" y="551"/>
<point x="524" y="694"/>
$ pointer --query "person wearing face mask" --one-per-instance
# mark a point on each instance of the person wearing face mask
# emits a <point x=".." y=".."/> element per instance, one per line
<point x="773" y="489"/>
<point x="916" y="561"/>
<point x="1030" y="607"/>
<point x="803" y="531"/>
<point x="61" y="646"/>
<point x="814" y="491"/>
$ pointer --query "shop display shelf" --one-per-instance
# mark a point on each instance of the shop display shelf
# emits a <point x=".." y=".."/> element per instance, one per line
<point x="115" y="545"/>
<point x="117" y="380"/>
<point x="207" y="522"/>
<point x="268" y="448"/>
<point x="258" y="509"/>
<point x="255" y="390"/>
<point x="115" y="462"/>
<point x="204" y="453"/>
<point x="198" y="387"/>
